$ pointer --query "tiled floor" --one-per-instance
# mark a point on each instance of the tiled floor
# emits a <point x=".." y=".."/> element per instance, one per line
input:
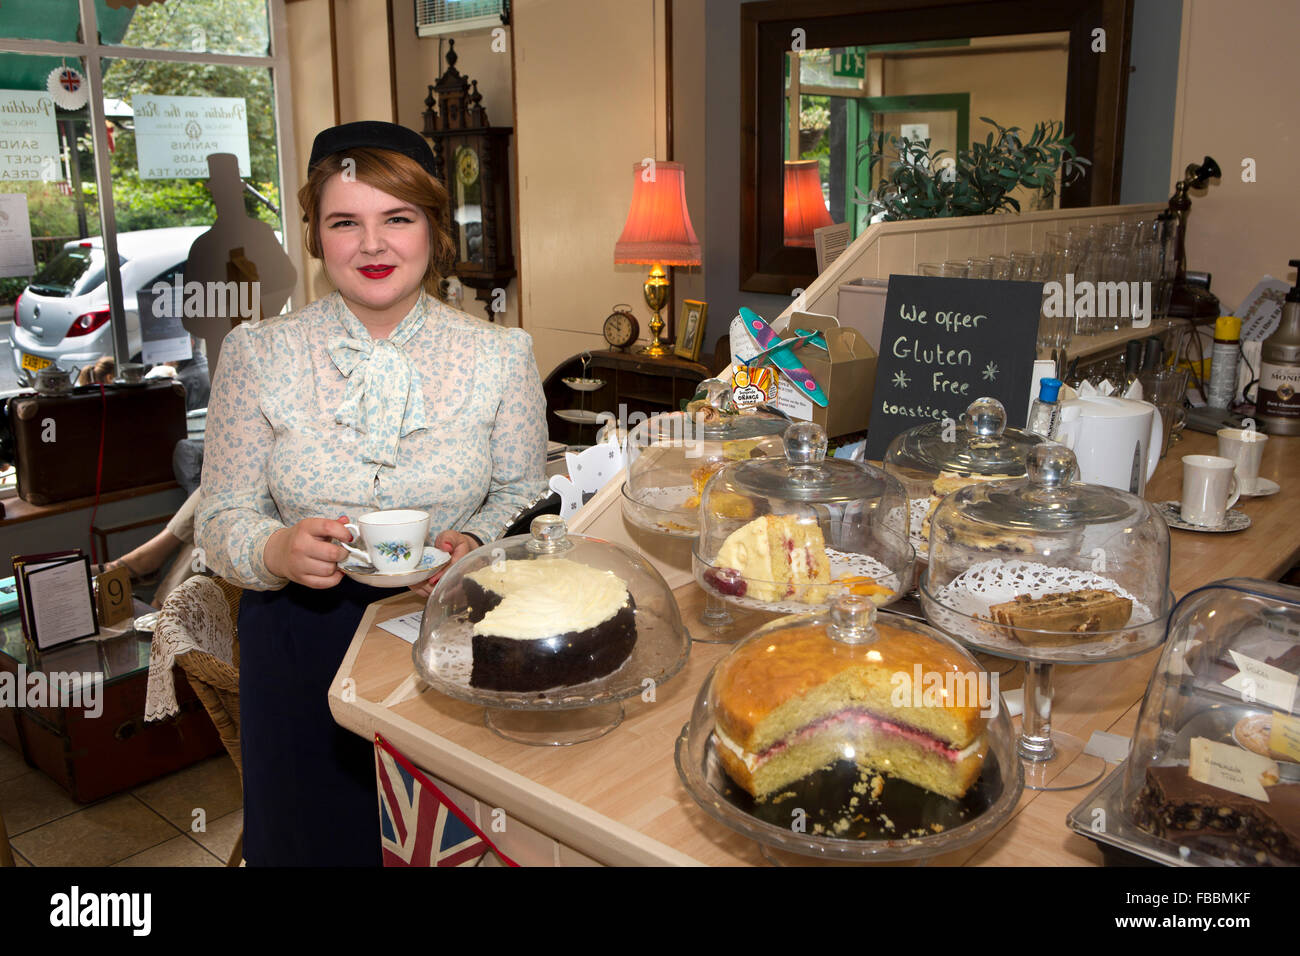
<point x="191" y="818"/>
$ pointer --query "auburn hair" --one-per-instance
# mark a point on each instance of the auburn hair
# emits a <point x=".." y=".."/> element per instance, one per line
<point x="402" y="178"/>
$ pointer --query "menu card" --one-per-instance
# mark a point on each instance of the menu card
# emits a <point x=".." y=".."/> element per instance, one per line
<point x="946" y="342"/>
<point x="55" y="598"/>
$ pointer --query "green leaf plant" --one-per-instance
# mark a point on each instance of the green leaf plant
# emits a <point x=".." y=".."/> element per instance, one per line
<point x="921" y="184"/>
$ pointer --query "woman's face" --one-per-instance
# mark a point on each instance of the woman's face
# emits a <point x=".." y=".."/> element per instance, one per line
<point x="375" y="248"/>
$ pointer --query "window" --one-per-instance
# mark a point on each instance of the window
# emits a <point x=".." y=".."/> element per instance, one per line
<point x="169" y="83"/>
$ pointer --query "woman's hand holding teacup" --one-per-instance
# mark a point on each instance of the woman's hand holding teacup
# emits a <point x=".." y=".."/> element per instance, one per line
<point x="454" y="543"/>
<point x="307" y="552"/>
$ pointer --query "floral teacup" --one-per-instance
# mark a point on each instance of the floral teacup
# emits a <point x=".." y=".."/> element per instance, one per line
<point x="394" y="540"/>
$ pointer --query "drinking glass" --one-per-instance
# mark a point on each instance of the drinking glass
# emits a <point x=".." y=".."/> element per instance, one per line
<point x="1166" y="389"/>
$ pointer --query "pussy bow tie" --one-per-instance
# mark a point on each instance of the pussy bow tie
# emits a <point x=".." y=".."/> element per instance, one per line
<point x="383" y="397"/>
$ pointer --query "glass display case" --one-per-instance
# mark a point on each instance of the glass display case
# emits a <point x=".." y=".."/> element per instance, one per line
<point x="670" y="458"/>
<point x="787" y="534"/>
<point x="843" y="734"/>
<point x="1213" y="775"/>
<point x="937" y="458"/>
<point x="1047" y="570"/>
<point x="549" y="632"/>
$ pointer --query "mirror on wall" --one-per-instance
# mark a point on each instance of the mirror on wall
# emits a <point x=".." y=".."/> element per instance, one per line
<point x="822" y="80"/>
<point x="839" y="101"/>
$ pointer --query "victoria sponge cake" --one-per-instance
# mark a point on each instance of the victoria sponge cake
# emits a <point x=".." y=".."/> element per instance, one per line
<point x="797" y="702"/>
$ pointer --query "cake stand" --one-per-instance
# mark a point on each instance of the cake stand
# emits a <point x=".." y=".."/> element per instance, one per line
<point x="556" y="716"/>
<point x="831" y="817"/>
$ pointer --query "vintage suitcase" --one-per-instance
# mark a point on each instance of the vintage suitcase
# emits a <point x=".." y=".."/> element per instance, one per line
<point x="57" y="439"/>
<point x="93" y="756"/>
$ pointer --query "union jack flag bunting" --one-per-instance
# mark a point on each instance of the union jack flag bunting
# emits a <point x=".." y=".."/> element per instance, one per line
<point x="418" y="823"/>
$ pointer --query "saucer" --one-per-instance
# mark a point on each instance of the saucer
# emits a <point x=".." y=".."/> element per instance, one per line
<point x="430" y="561"/>
<point x="1263" y="488"/>
<point x="1172" y="512"/>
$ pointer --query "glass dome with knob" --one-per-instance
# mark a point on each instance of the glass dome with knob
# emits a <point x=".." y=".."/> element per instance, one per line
<point x="784" y="534"/>
<point x="937" y="458"/>
<point x="550" y="631"/>
<point x="807" y="713"/>
<point x="1047" y="570"/>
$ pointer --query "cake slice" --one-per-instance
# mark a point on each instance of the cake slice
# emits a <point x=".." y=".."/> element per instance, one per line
<point x="1083" y="612"/>
<point x="774" y="558"/>
<point x="791" y="705"/>
<point x="1175" y="807"/>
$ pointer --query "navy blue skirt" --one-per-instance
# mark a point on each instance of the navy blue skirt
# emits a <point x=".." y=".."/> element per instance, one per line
<point x="309" y="785"/>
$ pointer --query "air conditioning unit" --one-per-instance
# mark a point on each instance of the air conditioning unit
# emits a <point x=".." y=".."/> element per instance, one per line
<point x="435" y="17"/>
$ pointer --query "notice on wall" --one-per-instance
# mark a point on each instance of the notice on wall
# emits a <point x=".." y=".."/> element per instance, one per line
<point x="947" y="342"/>
<point x="175" y="134"/>
<point x="16" y="257"/>
<point x="29" y="139"/>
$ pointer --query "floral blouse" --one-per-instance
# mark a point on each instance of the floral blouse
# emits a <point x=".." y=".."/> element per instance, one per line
<point x="312" y="418"/>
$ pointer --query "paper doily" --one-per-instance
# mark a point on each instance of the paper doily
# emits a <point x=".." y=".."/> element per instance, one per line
<point x="68" y="88"/>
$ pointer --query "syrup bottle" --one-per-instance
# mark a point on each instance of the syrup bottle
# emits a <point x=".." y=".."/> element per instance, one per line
<point x="1277" y="406"/>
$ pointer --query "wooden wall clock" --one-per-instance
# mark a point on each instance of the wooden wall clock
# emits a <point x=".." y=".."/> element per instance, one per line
<point x="473" y="163"/>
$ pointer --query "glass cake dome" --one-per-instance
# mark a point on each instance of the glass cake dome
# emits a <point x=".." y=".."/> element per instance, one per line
<point x="550" y="623"/>
<point x="671" y="457"/>
<point x="849" y="735"/>
<point x="787" y="534"/>
<point x="1046" y="568"/>
<point x="937" y="458"/>
<point x="1213" y="776"/>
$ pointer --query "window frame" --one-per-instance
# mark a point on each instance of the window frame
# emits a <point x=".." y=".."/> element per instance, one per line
<point x="93" y="53"/>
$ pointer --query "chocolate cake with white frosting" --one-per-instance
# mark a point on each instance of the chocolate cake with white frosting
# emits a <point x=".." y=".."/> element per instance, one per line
<point x="547" y="622"/>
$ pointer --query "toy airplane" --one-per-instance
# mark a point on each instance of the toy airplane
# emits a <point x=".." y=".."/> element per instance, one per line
<point x="782" y="355"/>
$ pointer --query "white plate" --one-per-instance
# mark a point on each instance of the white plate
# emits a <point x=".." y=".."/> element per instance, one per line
<point x="430" y="561"/>
<point x="1263" y="488"/>
<point x="145" y="623"/>
<point x="580" y="415"/>
<point x="583" y="384"/>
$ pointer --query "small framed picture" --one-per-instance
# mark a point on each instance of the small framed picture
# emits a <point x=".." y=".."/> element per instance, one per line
<point x="690" y="329"/>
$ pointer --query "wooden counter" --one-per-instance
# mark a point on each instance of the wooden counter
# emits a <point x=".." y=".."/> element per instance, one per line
<point x="618" y="800"/>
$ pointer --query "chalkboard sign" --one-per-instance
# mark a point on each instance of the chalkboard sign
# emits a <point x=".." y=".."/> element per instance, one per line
<point x="947" y="342"/>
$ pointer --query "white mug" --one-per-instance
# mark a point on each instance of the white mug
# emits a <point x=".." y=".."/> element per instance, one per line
<point x="1245" y="447"/>
<point x="394" y="540"/>
<point x="1209" y="489"/>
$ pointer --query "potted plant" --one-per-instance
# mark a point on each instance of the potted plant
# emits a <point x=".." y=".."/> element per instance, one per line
<point x="921" y="184"/>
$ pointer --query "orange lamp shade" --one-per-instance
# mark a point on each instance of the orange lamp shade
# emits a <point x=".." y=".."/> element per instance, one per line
<point x="658" y="230"/>
<point x="805" y="207"/>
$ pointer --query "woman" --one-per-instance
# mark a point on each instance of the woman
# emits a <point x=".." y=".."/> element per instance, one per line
<point x="103" y="372"/>
<point x="377" y="396"/>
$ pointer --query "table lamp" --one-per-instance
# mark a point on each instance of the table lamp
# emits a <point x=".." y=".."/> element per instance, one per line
<point x="658" y="233"/>
<point x="805" y="207"/>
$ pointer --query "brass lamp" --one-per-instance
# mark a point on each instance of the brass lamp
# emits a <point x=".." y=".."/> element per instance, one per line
<point x="658" y="233"/>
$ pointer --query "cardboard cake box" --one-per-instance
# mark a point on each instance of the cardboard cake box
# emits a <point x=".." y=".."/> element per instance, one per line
<point x="845" y="370"/>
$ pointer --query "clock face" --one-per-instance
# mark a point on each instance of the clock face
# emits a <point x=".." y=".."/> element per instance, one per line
<point x="466" y="166"/>
<point x="621" y="330"/>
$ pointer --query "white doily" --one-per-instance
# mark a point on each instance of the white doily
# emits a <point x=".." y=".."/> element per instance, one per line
<point x="967" y="598"/>
<point x="842" y="563"/>
<point x="195" y="617"/>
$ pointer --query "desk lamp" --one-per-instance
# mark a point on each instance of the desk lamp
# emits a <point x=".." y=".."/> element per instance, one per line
<point x="658" y="233"/>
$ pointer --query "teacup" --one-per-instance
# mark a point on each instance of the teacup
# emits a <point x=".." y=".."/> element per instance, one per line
<point x="1209" y="489"/>
<point x="1245" y="447"/>
<point x="393" y="540"/>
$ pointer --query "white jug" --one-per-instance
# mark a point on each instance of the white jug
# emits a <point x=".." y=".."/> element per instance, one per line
<point x="1117" y="441"/>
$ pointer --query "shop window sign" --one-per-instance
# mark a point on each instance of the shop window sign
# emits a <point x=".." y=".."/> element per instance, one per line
<point x="29" y="140"/>
<point x="175" y="134"/>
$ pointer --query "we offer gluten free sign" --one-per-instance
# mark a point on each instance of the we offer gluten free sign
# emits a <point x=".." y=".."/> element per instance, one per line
<point x="946" y="342"/>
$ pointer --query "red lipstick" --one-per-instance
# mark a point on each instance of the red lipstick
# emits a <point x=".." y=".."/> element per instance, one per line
<point x="376" y="272"/>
